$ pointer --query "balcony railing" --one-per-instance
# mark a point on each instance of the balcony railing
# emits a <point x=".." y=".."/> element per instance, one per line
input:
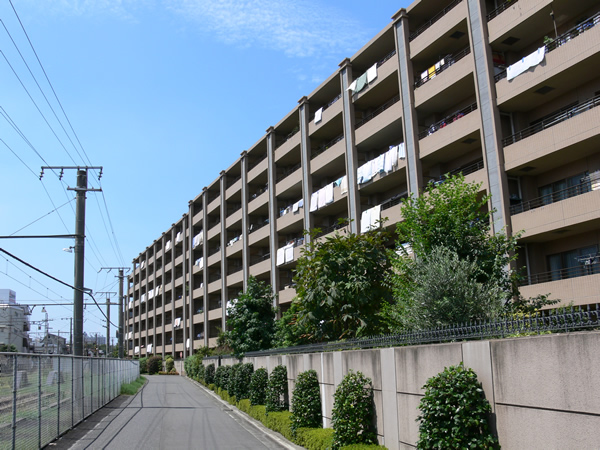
<point x="254" y="227"/>
<point x="331" y="102"/>
<point x="259" y="258"/>
<point x="287" y="172"/>
<point x="501" y="8"/>
<point x="447" y="120"/>
<point x="336" y="226"/>
<point x="563" y="38"/>
<point x="395" y="200"/>
<point x="572" y="191"/>
<point x="552" y="120"/>
<point x="256" y="162"/>
<point x="448" y="61"/>
<point x="433" y="20"/>
<point x="378" y="111"/>
<point x="287" y="138"/>
<point x="590" y="266"/>
<point x="316" y="152"/>
<point x="464" y="170"/>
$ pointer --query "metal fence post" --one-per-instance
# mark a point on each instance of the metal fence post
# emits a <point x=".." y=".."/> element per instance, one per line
<point x="39" y="401"/>
<point x="14" y="403"/>
<point x="58" y="400"/>
<point x="72" y="391"/>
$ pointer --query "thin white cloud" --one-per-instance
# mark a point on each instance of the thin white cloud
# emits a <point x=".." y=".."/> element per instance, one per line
<point x="122" y="9"/>
<point x="298" y="28"/>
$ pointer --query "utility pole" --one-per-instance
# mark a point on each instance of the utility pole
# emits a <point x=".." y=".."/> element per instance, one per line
<point x="108" y="303"/>
<point x="81" y="189"/>
<point x="121" y="302"/>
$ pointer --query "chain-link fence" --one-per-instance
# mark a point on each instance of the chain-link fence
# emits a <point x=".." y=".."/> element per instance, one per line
<point x="43" y="396"/>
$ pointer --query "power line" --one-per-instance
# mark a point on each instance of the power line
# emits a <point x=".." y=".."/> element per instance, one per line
<point x="18" y="157"/>
<point x="84" y="291"/>
<point x="40" y="218"/>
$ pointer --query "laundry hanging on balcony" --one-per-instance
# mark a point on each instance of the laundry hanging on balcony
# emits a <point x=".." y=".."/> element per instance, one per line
<point x="529" y="61"/>
<point x="318" y="115"/>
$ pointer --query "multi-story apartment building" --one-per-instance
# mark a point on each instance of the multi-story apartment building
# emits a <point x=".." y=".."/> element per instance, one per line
<point x="504" y="92"/>
<point x="14" y="322"/>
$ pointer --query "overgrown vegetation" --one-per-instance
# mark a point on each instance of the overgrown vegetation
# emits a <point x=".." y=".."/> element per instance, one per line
<point x="169" y="364"/>
<point x="306" y="402"/>
<point x="341" y="285"/>
<point x="154" y="364"/>
<point x="251" y="319"/>
<point x="242" y="380"/>
<point x="209" y="374"/>
<point x="133" y="387"/>
<point x="277" y="390"/>
<point x="352" y="415"/>
<point x="454" y="412"/>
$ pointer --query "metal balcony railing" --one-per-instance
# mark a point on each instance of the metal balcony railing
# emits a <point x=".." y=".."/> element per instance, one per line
<point x="552" y="120"/>
<point x="287" y="172"/>
<point x="448" y="61"/>
<point x="563" y="38"/>
<point x="377" y="111"/>
<point x="316" y="152"/>
<point x="433" y="20"/>
<point x="447" y="120"/>
<point x="590" y="266"/>
<point x="500" y="9"/>
<point x="572" y="191"/>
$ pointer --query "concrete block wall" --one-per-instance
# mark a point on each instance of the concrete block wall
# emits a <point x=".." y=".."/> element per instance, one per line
<point x="542" y="389"/>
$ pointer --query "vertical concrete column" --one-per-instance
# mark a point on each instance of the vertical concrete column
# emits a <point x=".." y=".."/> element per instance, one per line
<point x="162" y="297"/>
<point x="173" y="297"/>
<point x="351" y="153"/>
<point x="224" y="293"/>
<point x="155" y="298"/>
<point x="186" y="282"/>
<point x="305" y="161"/>
<point x="409" y="114"/>
<point x="191" y="334"/>
<point x="490" y="116"/>
<point x="273" y="238"/>
<point x="389" y="396"/>
<point x="245" y="224"/>
<point x="205" y="259"/>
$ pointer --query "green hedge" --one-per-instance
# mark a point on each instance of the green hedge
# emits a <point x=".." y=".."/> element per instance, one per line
<point x="277" y="390"/>
<point x="314" y="438"/>
<point x="258" y="386"/>
<point x="280" y="422"/>
<point x="306" y="402"/>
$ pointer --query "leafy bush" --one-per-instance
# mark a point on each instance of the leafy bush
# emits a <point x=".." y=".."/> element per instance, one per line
<point x="143" y="365"/>
<point x="258" y="412"/>
<point x="209" y="374"/>
<point x="277" y="390"/>
<point x="258" y="386"/>
<point x="169" y="364"/>
<point x="352" y="415"/>
<point x="454" y="412"/>
<point x="154" y="365"/>
<point x="242" y="379"/>
<point x="306" y="402"/>
<point x="222" y="377"/>
<point x="231" y="379"/>
<point x="280" y="422"/>
<point x="244" y="405"/>
<point x="314" y="438"/>
<point x="201" y="372"/>
<point x="363" y="447"/>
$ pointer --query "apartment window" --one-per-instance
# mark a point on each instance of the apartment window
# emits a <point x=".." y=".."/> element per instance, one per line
<point x="565" y="188"/>
<point x="574" y="263"/>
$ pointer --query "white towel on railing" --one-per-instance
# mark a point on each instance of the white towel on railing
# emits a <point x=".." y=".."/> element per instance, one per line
<point x="374" y="217"/>
<point x="401" y="151"/>
<point x="344" y="185"/>
<point x="319" y="115"/>
<point x="372" y="73"/>
<point x="526" y="63"/>
<point x="365" y="221"/>
<point x="321" y="198"/>
<point x="328" y="193"/>
<point x="314" y="201"/>
<point x="289" y="253"/>
<point x="280" y="256"/>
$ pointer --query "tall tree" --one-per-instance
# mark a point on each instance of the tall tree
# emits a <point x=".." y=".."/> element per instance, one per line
<point x="251" y="319"/>
<point x="341" y="285"/>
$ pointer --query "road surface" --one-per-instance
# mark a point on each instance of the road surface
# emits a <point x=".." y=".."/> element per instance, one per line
<point x="169" y="412"/>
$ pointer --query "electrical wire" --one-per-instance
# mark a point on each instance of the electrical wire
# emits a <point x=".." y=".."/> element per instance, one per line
<point x="40" y="218"/>
<point x="57" y="280"/>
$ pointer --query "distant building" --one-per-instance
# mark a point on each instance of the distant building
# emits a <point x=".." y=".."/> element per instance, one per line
<point x="14" y="322"/>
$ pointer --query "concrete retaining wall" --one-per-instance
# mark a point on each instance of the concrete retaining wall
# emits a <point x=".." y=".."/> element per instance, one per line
<point x="542" y="389"/>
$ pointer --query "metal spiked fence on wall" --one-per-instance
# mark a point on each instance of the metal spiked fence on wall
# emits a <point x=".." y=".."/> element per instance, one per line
<point x="552" y="321"/>
<point x="43" y="396"/>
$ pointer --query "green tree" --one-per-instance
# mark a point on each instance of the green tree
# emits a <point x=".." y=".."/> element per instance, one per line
<point x="459" y="270"/>
<point x="341" y="285"/>
<point x="251" y="319"/>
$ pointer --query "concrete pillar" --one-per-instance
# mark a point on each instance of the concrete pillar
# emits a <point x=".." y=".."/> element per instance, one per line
<point x="245" y="224"/>
<point x="273" y="237"/>
<point x="389" y="397"/>
<point x="224" y="292"/>
<point x="305" y="161"/>
<point x="205" y="259"/>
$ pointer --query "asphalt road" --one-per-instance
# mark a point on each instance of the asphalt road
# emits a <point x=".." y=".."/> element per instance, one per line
<point x="169" y="412"/>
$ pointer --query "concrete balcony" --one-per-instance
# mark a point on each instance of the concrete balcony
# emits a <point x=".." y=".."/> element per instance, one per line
<point x="292" y="180"/>
<point x="286" y="295"/>
<point x="582" y="290"/>
<point x="234" y="248"/>
<point x="333" y="111"/>
<point x="214" y="231"/>
<point x="293" y="143"/>
<point x="215" y="314"/>
<point x="259" y="235"/>
<point x="333" y="153"/>
<point x="258" y="169"/>
<point x="386" y="115"/>
<point x="516" y="16"/>
<point x="290" y="219"/>
<point x="234" y="218"/>
<point x="233" y="189"/>
<point x="261" y="267"/>
<point x="579" y="131"/>
<point x="452" y="132"/>
<point x="258" y="201"/>
<point x="235" y="278"/>
<point x="214" y="286"/>
<point x="571" y="212"/>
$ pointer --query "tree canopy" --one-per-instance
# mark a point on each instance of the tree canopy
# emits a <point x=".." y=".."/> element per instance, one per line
<point x="251" y="319"/>
<point x="341" y="285"/>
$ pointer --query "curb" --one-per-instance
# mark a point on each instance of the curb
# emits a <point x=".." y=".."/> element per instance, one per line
<point x="273" y="435"/>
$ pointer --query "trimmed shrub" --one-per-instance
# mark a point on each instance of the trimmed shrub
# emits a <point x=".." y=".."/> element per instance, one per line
<point x="200" y="372"/>
<point x="314" y="438"/>
<point x="454" y="412"/>
<point x="306" y="402"/>
<point x="244" y="405"/>
<point x="258" y="412"/>
<point x="169" y="364"/>
<point x="212" y="387"/>
<point x="154" y="365"/>
<point x="143" y="365"/>
<point x="209" y="374"/>
<point x="258" y="386"/>
<point x="363" y="447"/>
<point x="242" y="379"/>
<point x="277" y="390"/>
<point x="352" y="415"/>
<point x="222" y="375"/>
<point x="232" y="374"/>
<point x="280" y="422"/>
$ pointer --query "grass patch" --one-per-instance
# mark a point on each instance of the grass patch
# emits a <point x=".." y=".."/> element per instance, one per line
<point x="133" y="387"/>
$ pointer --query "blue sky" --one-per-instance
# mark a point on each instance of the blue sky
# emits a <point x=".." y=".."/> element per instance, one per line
<point x="162" y="94"/>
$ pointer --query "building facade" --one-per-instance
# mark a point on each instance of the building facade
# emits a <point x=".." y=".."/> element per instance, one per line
<point x="503" y="92"/>
<point x="14" y="322"/>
